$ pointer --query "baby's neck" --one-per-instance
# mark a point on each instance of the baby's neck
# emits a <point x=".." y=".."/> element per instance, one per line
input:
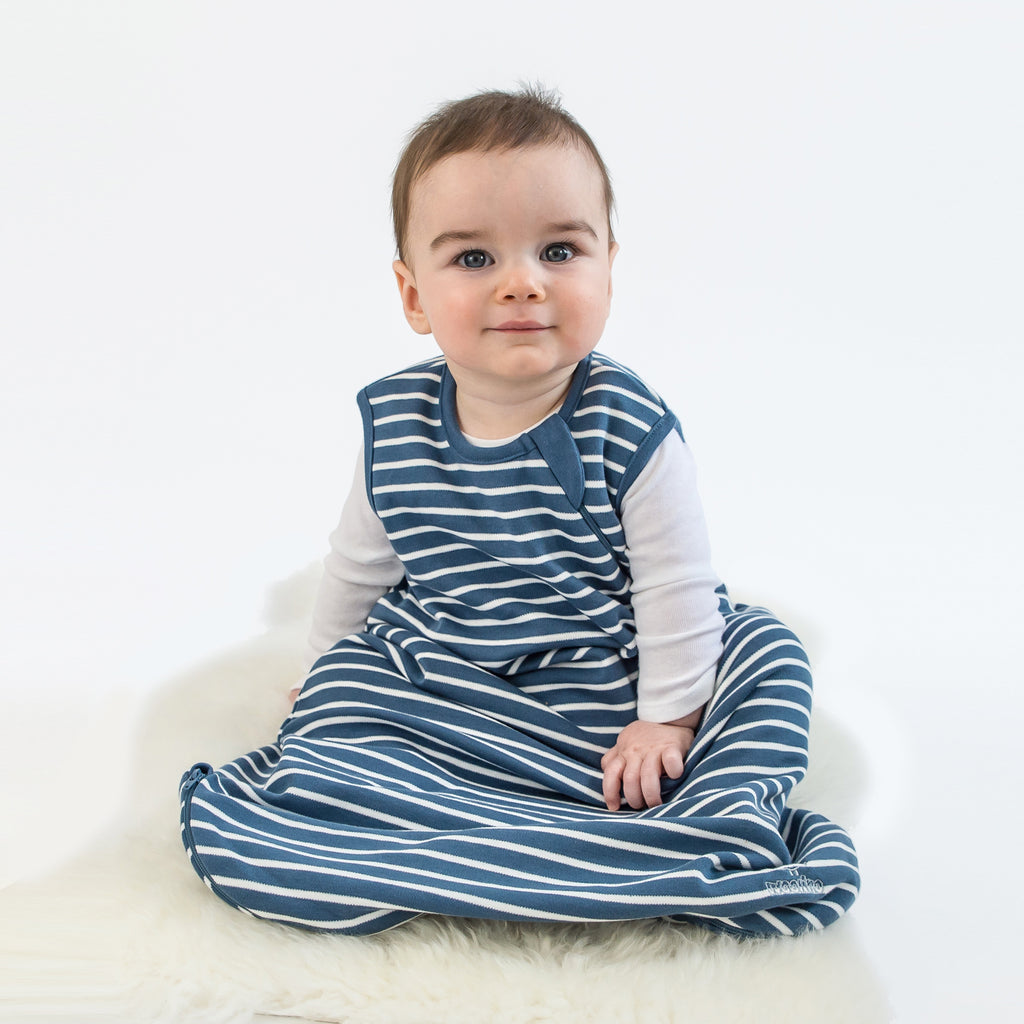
<point x="509" y="412"/>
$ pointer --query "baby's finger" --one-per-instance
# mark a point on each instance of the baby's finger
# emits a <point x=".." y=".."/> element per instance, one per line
<point x="632" y="783"/>
<point x="611" y="784"/>
<point x="672" y="763"/>
<point x="651" y="781"/>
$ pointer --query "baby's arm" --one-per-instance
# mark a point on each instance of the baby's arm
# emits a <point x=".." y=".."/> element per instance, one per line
<point x="678" y="626"/>
<point x="359" y="569"/>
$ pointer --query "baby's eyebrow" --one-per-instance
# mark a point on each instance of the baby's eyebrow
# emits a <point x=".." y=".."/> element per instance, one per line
<point x="571" y="227"/>
<point x="454" y="236"/>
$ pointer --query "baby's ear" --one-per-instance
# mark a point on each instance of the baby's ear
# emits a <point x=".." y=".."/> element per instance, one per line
<point x="410" y="298"/>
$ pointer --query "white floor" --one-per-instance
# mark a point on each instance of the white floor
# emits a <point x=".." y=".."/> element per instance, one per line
<point x="820" y="216"/>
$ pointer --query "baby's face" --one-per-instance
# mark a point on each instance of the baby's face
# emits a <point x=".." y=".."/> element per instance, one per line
<point x="509" y="263"/>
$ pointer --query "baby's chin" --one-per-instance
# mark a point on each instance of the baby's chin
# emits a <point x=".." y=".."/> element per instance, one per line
<point x="522" y="359"/>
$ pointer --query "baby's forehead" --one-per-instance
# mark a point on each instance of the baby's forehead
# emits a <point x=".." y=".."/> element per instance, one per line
<point x="484" y="169"/>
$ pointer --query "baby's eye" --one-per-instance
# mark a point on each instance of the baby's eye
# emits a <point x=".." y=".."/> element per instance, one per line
<point x="473" y="259"/>
<point x="559" y="252"/>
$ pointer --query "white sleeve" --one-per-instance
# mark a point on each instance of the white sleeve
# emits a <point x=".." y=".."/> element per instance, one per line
<point x="359" y="569"/>
<point x="678" y="625"/>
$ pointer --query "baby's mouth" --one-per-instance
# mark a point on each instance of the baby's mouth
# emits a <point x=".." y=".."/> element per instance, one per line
<point x="521" y="326"/>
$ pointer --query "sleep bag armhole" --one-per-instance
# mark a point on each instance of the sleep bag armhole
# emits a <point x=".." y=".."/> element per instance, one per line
<point x="642" y="455"/>
<point x="366" y="410"/>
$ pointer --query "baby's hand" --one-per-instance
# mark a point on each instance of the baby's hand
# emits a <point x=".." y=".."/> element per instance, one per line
<point x="643" y="753"/>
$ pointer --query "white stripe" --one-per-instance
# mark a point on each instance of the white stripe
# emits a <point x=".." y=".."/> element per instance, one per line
<point x="515" y="620"/>
<point x="390" y="442"/>
<point x="487" y="606"/>
<point x="406" y="396"/>
<point x="421" y="374"/>
<point x="631" y="395"/>
<point x="538" y="560"/>
<point x="458" y="467"/>
<point x="483" y="513"/>
<point x="581" y="435"/>
<point x="454" y="489"/>
<point x="405" y="417"/>
<point x="613" y="413"/>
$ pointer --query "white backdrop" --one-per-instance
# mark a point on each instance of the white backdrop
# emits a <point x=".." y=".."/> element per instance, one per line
<point x="821" y="218"/>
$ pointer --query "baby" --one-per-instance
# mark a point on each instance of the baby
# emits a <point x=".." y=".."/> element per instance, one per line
<point x="502" y="212"/>
<point x="518" y="630"/>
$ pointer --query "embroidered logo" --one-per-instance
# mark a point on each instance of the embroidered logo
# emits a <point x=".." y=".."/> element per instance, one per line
<point x="796" y="884"/>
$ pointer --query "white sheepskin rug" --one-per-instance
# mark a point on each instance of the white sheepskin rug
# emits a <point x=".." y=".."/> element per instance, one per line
<point x="127" y="932"/>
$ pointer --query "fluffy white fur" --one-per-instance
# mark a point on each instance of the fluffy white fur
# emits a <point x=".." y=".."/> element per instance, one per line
<point x="128" y="933"/>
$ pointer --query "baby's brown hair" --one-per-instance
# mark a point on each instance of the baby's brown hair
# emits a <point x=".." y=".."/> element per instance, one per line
<point x="482" y="123"/>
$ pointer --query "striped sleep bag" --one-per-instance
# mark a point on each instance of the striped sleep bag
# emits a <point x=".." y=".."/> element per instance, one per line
<point x="447" y="759"/>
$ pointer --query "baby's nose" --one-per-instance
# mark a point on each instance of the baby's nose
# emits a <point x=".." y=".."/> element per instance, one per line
<point x="521" y="283"/>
